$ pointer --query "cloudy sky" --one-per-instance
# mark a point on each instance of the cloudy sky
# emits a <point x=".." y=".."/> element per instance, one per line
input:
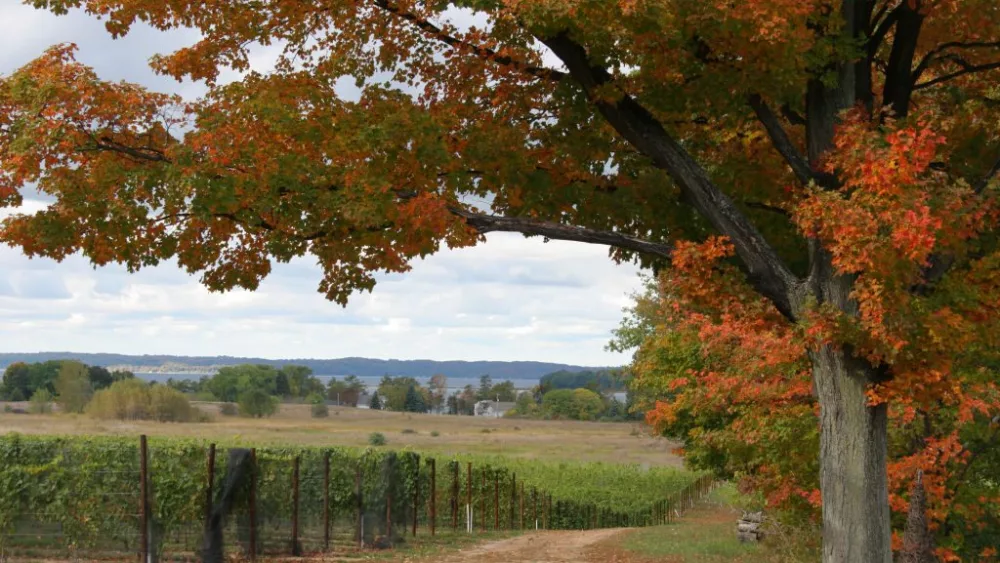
<point x="509" y="299"/>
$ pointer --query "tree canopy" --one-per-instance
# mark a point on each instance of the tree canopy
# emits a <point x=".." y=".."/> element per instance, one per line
<point x="821" y="169"/>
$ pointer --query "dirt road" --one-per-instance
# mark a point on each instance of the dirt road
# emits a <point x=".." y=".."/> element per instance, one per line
<point x="537" y="547"/>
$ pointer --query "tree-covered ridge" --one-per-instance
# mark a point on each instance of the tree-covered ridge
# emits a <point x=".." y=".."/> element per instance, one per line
<point x="606" y="380"/>
<point x="361" y="367"/>
<point x="21" y="380"/>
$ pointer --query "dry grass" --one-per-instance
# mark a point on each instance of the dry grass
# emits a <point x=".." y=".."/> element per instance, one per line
<point x="533" y="439"/>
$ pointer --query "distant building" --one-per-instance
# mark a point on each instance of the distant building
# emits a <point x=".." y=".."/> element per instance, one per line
<point x="364" y="400"/>
<point x="492" y="409"/>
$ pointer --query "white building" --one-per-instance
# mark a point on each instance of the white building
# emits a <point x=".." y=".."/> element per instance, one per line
<point x="492" y="409"/>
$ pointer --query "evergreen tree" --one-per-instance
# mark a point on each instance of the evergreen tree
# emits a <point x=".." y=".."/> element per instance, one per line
<point x="485" y="387"/>
<point x="375" y="403"/>
<point x="414" y="401"/>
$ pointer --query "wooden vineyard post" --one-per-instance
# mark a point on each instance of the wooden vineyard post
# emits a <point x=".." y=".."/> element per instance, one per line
<point x="482" y="500"/>
<point x="416" y="499"/>
<point x="548" y="513"/>
<point x="496" y="502"/>
<point x="388" y="519"/>
<point x="360" y="520"/>
<point x="209" y="484"/>
<point x="455" y="482"/>
<point x="143" y="501"/>
<point x="295" y="506"/>
<point x="468" y="500"/>
<point x="484" y="485"/>
<point x="326" y="501"/>
<point x="546" y="509"/>
<point x="513" y="500"/>
<point x="534" y="506"/>
<point x="433" y="499"/>
<point x="520" y="509"/>
<point x="253" y="504"/>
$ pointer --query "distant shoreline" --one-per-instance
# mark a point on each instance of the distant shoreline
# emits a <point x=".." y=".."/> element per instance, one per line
<point x="367" y="367"/>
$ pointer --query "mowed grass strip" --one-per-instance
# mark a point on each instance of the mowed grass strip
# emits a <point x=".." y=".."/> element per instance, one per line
<point x="625" y="443"/>
<point x="706" y="534"/>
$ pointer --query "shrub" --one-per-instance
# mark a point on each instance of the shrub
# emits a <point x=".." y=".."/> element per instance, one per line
<point x="8" y="409"/>
<point x="575" y="404"/>
<point x="73" y="387"/>
<point x="320" y="410"/>
<point x="41" y="402"/>
<point x="205" y="396"/>
<point x="257" y="403"/>
<point x="170" y="405"/>
<point x="435" y="433"/>
<point x="133" y="399"/>
<point x="408" y="431"/>
<point x="228" y="409"/>
<point x="376" y="439"/>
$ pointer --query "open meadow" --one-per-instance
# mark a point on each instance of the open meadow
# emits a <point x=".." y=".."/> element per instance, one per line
<point x="292" y="425"/>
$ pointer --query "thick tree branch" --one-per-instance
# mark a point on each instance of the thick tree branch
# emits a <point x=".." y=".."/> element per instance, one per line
<point x="899" y="72"/>
<point x="983" y="182"/>
<point x="781" y="141"/>
<point x="484" y="223"/>
<point x="935" y="53"/>
<point x="148" y="154"/>
<point x="485" y="53"/>
<point x="966" y="69"/>
<point x="939" y="264"/>
<point x="767" y="207"/>
<point x="765" y="270"/>
<point x="793" y="117"/>
<point x="876" y="38"/>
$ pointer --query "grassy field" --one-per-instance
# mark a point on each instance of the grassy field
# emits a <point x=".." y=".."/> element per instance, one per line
<point x="527" y="439"/>
<point x="707" y="534"/>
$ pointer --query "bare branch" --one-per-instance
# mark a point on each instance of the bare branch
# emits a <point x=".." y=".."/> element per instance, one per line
<point x="767" y="207"/>
<point x="780" y="140"/>
<point x="983" y="182"/>
<point x="967" y="69"/>
<point x="899" y="81"/>
<point x="934" y="53"/>
<point x="485" y="53"/>
<point x="148" y="154"/>
<point x="876" y="39"/>
<point x="765" y="269"/>
<point x="484" y="223"/>
<point x="793" y="117"/>
<point x="939" y="264"/>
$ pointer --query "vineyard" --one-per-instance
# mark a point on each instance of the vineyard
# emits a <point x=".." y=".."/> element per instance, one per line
<point x="118" y="497"/>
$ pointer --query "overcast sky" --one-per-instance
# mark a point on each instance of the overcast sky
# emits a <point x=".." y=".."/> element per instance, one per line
<point x="509" y="299"/>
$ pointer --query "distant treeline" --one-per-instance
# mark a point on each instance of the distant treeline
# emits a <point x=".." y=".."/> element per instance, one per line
<point x="362" y="367"/>
<point x="79" y="388"/>
<point x="604" y="380"/>
<point x="21" y="380"/>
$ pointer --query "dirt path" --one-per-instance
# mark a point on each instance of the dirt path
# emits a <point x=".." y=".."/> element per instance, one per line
<point x="536" y="547"/>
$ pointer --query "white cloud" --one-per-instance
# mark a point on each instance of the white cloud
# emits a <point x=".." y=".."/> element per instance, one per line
<point x="509" y="299"/>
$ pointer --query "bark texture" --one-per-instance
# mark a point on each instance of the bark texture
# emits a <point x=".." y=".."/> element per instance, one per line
<point x="918" y="543"/>
<point x="853" y="476"/>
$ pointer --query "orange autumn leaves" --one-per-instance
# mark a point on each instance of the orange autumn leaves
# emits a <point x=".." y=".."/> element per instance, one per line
<point x="894" y="214"/>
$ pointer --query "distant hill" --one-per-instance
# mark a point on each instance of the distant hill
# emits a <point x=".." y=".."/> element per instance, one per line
<point x="338" y="366"/>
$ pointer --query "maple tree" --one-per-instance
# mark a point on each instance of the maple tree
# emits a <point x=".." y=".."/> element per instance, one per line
<point x="840" y="154"/>
<point x="734" y="387"/>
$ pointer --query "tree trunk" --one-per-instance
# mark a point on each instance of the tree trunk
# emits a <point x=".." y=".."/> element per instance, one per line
<point x="856" y="527"/>
<point x="918" y="542"/>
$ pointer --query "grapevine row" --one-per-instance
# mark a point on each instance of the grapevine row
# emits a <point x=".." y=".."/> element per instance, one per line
<point x="113" y="496"/>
